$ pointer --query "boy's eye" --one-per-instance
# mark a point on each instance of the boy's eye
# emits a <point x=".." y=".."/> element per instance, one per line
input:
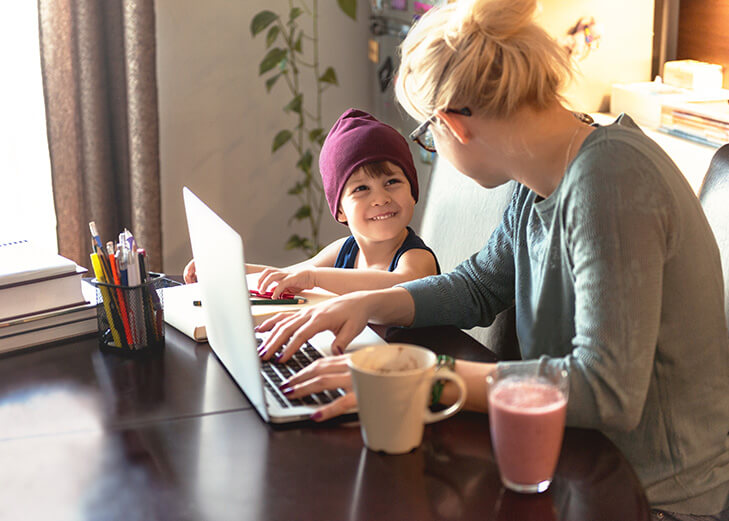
<point x="393" y="181"/>
<point x="360" y="188"/>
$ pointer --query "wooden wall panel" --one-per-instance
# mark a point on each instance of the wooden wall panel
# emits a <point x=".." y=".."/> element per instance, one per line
<point x="702" y="32"/>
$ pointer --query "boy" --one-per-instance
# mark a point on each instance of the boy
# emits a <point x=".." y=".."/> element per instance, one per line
<point x="371" y="186"/>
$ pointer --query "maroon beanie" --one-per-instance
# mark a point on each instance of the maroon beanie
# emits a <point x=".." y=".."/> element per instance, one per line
<point x="356" y="139"/>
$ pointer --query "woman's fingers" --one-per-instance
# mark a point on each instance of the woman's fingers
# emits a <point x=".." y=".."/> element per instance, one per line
<point x="295" y="334"/>
<point x="281" y="331"/>
<point x="323" y="366"/>
<point x="318" y="384"/>
<point x="336" y="408"/>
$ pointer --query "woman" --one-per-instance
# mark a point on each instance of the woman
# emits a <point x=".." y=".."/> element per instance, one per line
<point x="604" y="249"/>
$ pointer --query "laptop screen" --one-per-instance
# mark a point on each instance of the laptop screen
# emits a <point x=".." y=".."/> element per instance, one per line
<point x="219" y="263"/>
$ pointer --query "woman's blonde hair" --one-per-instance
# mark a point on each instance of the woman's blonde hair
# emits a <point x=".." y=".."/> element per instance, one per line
<point x="487" y="55"/>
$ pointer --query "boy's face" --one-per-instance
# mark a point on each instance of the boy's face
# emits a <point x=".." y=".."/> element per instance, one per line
<point x="377" y="208"/>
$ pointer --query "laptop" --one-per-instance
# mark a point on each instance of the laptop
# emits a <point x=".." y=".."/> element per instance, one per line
<point x="219" y="263"/>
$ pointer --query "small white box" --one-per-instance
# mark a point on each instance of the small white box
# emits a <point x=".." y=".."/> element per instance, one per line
<point x="642" y="101"/>
<point x="692" y="74"/>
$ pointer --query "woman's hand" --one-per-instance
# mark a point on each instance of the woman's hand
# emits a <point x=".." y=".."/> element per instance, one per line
<point x="288" y="281"/>
<point x="189" y="274"/>
<point x="324" y="374"/>
<point x="345" y="316"/>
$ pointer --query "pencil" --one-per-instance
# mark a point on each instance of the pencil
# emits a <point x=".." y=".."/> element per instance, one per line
<point x="106" y="299"/>
<point x="277" y="301"/>
<point x="120" y="294"/>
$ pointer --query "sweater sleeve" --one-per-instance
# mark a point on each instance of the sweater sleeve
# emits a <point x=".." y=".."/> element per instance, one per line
<point x="476" y="290"/>
<point x="619" y="234"/>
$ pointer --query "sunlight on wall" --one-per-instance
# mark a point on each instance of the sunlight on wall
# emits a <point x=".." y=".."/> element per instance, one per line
<point x="26" y="200"/>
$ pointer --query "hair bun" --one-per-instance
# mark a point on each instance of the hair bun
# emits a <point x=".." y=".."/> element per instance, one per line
<point x="496" y="19"/>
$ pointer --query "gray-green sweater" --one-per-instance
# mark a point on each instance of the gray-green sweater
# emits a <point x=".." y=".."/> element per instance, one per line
<point x="616" y="277"/>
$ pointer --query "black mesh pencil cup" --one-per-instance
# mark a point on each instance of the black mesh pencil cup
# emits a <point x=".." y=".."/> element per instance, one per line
<point x="131" y="318"/>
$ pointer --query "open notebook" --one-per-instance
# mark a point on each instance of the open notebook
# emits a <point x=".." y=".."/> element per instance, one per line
<point x="181" y="314"/>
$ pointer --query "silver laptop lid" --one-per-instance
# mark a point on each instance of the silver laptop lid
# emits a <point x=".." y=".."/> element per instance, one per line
<point x="218" y="252"/>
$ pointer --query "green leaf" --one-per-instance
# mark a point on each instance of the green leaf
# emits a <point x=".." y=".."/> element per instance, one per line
<point x="302" y="213"/>
<point x="295" y="104"/>
<point x="315" y="134"/>
<point x="321" y="139"/>
<point x="296" y="189"/>
<point x="329" y="76"/>
<point x="261" y="21"/>
<point x="270" y="81"/>
<point x="272" y="58"/>
<point x="295" y="242"/>
<point x="349" y="7"/>
<point x="294" y="14"/>
<point x="281" y="139"/>
<point x="272" y="35"/>
<point x="304" y="163"/>
<point x="297" y="45"/>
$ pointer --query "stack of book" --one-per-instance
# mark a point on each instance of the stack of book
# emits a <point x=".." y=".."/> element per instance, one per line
<point x="42" y="297"/>
<point x="706" y="123"/>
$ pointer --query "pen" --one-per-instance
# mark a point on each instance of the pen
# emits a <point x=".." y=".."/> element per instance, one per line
<point x="120" y="294"/>
<point x="106" y="299"/>
<point x="277" y="301"/>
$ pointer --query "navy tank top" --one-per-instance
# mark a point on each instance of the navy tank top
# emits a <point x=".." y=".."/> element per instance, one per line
<point x="348" y="252"/>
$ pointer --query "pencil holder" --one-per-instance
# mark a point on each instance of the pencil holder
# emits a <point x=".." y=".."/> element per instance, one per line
<point x="131" y="318"/>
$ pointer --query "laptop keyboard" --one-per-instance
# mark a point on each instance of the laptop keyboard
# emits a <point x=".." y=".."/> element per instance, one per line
<point x="275" y="373"/>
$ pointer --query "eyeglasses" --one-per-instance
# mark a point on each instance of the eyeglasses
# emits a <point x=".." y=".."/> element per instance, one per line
<point x="422" y="135"/>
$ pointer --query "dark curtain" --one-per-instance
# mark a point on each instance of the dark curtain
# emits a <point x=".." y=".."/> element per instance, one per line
<point x="99" y="82"/>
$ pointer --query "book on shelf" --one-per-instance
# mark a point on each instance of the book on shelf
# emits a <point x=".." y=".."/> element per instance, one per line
<point x="33" y="282"/>
<point x="182" y="314"/>
<point x="706" y="122"/>
<point x="50" y="326"/>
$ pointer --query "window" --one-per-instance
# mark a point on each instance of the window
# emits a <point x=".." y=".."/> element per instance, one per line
<point x="26" y="199"/>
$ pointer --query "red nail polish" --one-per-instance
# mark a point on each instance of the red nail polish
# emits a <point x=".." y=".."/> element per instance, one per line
<point x="287" y="391"/>
<point x="316" y="416"/>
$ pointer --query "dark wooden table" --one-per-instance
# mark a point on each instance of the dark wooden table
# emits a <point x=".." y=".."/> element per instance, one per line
<point x="89" y="435"/>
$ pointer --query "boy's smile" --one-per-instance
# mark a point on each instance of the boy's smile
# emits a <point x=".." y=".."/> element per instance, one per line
<point x="383" y="216"/>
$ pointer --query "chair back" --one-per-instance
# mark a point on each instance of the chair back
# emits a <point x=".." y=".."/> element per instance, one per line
<point x="714" y="197"/>
<point x="458" y="218"/>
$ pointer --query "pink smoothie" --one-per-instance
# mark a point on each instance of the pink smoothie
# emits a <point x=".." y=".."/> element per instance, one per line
<point x="527" y="422"/>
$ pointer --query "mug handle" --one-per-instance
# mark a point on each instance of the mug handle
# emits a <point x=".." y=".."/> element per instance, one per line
<point x="447" y="374"/>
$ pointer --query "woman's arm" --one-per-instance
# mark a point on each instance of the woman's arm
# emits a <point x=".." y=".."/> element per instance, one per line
<point x="345" y="316"/>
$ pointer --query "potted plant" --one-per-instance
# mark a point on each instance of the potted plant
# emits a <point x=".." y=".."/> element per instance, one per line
<point x="292" y="54"/>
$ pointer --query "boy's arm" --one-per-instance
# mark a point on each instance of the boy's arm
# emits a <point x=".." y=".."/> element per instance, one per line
<point x="413" y="264"/>
<point x="325" y="257"/>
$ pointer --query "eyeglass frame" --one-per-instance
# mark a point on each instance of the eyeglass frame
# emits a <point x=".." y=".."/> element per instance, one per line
<point x="419" y="132"/>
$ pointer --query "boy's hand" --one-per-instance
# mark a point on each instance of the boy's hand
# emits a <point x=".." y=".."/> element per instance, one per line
<point x="288" y="281"/>
<point x="189" y="274"/>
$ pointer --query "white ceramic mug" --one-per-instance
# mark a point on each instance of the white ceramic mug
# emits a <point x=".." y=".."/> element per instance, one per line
<point x="393" y="387"/>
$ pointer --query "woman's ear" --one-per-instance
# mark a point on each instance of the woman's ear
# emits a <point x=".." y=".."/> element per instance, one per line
<point x="456" y="125"/>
